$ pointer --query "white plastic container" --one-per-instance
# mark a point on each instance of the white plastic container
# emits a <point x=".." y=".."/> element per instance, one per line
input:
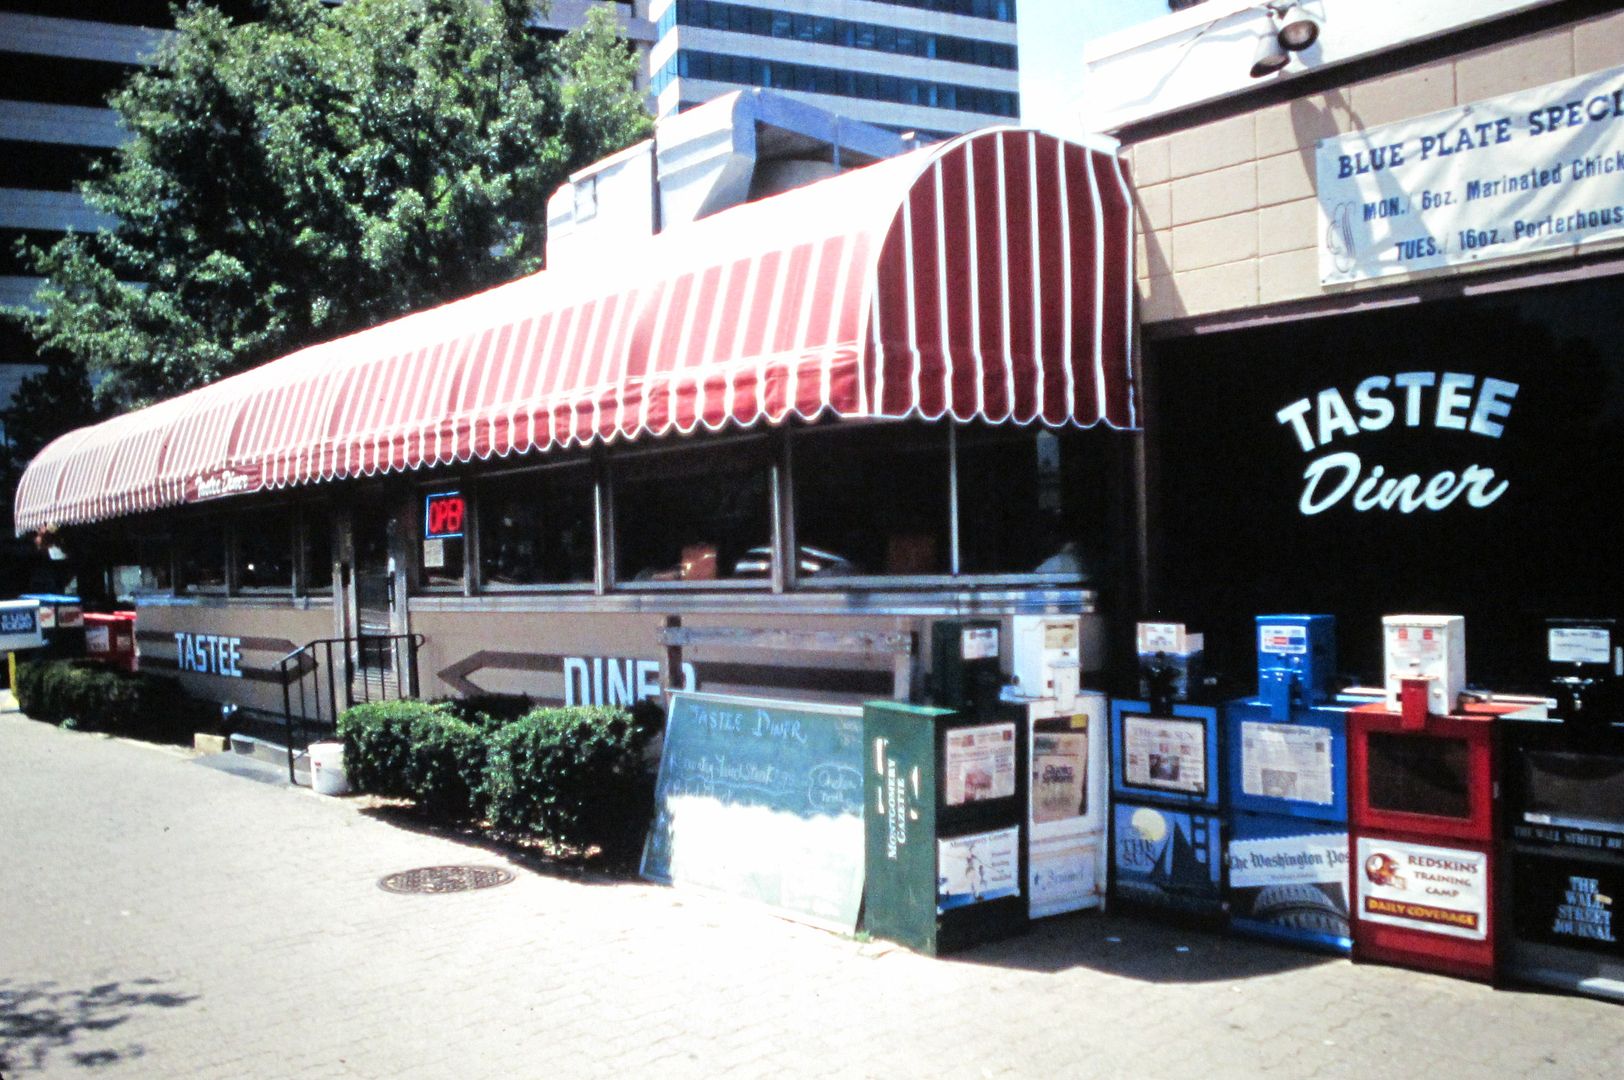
<point x="1429" y="647"/>
<point x="327" y="769"/>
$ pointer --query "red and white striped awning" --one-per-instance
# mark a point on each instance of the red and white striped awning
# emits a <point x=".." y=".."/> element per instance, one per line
<point x="987" y="277"/>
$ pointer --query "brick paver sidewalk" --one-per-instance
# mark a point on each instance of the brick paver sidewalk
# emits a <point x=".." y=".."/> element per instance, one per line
<point x="160" y="919"/>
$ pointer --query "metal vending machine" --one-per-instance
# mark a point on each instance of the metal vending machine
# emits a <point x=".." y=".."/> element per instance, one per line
<point x="1166" y="839"/>
<point x="945" y="794"/>
<point x="1067" y="814"/>
<point x="1286" y="788"/>
<point x="1422" y="807"/>
<point x="1563" y="854"/>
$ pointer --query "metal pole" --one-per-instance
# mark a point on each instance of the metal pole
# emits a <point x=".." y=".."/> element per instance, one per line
<point x="287" y="716"/>
<point x="952" y="499"/>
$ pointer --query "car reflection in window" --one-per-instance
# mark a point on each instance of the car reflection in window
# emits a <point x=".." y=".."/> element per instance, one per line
<point x="812" y="562"/>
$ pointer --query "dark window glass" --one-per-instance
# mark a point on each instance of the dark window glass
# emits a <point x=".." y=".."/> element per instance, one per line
<point x="318" y="551"/>
<point x="1575" y="789"/>
<point x="692" y="515"/>
<point x="50" y="79"/>
<point x="200" y="556"/>
<point x="1030" y="501"/>
<point x="265" y="549"/>
<point x="875" y="497"/>
<point x="151" y="570"/>
<point x="46" y="166"/>
<point x="537" y="528"/>
<point x="1418" y="774"/>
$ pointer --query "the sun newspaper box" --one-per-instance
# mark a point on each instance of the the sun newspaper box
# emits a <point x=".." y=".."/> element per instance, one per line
<point x="945" y="803"/>
<point x="110" y="638"/>
<point x="1167" y="845"/>
<point x="1423" y="807"/>
<point x="1286" y="790"/>
<point x="1562" y="860"/>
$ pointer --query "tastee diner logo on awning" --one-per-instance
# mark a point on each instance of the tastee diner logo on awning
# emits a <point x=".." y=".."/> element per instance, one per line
<point x="216" y="483"/>
<point x="1447" y="401"/>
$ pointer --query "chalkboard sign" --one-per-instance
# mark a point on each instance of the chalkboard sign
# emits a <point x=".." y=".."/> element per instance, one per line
<point x="762" y="799"/>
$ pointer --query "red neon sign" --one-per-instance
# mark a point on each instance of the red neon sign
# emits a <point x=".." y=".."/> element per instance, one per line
<point x="443" y="515"/>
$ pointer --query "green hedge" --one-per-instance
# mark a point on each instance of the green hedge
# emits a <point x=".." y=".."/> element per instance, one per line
<point x="416" y="750"/>
<point x="576" y="775"/>
<point x="84" y="694"/>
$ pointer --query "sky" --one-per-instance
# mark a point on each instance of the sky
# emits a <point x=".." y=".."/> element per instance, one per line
<point x="1051" y="35"/>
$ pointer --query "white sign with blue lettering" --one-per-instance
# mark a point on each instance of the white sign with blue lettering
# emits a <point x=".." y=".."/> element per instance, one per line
<point x="1535" y="171"/>
<point x="19" y="625"/>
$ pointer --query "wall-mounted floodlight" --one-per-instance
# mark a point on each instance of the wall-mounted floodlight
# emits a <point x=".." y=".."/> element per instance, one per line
<point x="1296" y="30"/>
<point x="1270" y="57"/>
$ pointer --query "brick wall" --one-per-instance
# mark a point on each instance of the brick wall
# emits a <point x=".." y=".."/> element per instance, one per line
<point x="1227" y="218"/>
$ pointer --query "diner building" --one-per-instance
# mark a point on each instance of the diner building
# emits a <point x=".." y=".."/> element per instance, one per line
<point x="781" y="380"/>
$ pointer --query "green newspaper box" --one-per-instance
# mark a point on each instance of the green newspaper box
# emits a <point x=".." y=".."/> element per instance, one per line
<point x="944" y="797"/>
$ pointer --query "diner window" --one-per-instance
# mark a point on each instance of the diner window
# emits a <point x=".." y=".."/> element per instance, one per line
<point x="693" y="515"/>
<point x="1030" y="500"/>
<point x="873" y="500"/>
<point x="538" y="528"/>
<point x="265" y="550"/>
<point x="152" y="568"/>
<point x="316" y="544"/>
<point x="443" y="535"/>
<point x="200" y="556"/>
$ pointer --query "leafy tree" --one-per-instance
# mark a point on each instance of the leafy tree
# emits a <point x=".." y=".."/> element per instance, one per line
<point x="319" y="170"/>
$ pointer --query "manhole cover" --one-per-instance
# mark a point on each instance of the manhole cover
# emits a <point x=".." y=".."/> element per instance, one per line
<point x="444" y="879"/>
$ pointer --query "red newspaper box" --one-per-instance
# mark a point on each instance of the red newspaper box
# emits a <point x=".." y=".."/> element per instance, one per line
<point x="1422" y="809"/>
<point x="110" y="638"/>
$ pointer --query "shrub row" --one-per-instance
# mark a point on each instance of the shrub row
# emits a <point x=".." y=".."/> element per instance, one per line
<point x="86" y="695"/>
<point x="575" y="775"/>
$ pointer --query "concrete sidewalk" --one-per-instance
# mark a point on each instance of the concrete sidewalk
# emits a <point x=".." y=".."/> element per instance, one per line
<point x="162" y="919"/>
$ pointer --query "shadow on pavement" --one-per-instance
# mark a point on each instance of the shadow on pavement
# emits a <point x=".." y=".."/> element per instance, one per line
<point x="40" y="1019"/>
<point x="1138" y="947"/>
<point x="532" y="854"/>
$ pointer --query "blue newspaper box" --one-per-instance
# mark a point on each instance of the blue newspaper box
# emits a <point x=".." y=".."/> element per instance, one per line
<point x="1285" y="788"/>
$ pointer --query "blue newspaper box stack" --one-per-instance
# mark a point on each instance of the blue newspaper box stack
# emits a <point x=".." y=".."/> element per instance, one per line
<point x="1167" y="846"/>
<point x="1286" y="787"/>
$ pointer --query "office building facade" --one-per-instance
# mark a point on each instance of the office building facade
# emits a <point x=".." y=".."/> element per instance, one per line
<point x="934" y="67"/>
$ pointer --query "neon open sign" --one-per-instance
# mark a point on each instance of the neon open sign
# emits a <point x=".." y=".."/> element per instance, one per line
<point x="443" y="515"/>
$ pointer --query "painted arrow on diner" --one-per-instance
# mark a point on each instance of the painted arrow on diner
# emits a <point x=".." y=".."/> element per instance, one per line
<point x="767" y="676"/>
<point x="456" y="675"/>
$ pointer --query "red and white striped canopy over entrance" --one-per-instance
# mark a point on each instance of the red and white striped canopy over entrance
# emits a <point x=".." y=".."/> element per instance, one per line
<point x="987" y="277"/>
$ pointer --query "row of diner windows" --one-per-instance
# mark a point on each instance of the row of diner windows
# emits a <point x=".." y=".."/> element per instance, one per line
<point x="839" y="82"/>
<point x="819" y="29"/>
<point x="886" y="502"/>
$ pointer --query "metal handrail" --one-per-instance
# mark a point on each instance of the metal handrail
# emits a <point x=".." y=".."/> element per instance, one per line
<point x="359" y="654"/>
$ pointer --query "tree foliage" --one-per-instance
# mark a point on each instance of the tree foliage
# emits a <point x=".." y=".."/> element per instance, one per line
<point x="321" y="169"/>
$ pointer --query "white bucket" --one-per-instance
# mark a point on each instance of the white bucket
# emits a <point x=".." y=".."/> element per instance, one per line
<point x="327" y="769"/>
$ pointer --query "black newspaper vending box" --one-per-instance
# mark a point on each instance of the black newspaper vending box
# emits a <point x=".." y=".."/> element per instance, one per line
<point x="1564" y="825"/>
